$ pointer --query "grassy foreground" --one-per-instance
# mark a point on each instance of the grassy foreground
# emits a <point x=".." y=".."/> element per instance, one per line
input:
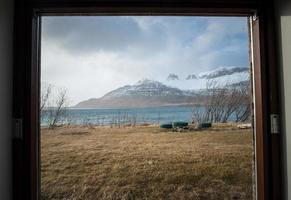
<point x="82" y="163"/>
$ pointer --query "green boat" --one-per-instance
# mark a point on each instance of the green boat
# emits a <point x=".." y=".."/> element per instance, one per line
<point x="180" y="124"/>
<point x="174" y="124"/>
<point x="204" y="125"/>
<point x="168" y="125"/>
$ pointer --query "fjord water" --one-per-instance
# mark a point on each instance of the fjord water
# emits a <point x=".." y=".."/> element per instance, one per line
<point x="123" y="116"/>
<point x="108" y="116"/>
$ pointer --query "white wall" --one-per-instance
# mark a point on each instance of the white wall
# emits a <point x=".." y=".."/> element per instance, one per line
<point x="6" y="45"/>
<point x="283" y="15"/>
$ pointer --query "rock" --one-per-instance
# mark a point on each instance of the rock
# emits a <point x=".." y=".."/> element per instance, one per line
<point x="150" y="162"/>
<point x="244" y="126"/>
<point x="98" y="162"/>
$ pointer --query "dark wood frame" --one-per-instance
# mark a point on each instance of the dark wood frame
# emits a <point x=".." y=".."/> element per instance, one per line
<point x="27" y="77"/>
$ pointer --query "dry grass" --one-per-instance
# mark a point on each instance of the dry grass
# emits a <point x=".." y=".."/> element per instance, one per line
<point x="146" y="163"/>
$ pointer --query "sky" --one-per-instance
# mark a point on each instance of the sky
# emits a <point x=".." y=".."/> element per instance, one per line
<point x="92" y="55"/>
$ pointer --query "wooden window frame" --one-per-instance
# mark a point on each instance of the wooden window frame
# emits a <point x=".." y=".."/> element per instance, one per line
<point x="26" y="79"/>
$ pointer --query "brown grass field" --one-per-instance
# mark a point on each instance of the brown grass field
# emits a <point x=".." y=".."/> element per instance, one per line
<point x="98" y="163"/>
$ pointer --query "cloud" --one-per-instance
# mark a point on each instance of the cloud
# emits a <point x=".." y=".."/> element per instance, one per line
<point x="87" y="34"/>
<point x="93" y="55"/>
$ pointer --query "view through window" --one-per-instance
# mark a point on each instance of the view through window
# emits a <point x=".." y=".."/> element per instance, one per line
<point x="146" y="107"/>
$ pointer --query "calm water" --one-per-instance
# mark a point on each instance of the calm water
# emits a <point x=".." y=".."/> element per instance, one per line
<point x="155" y="115"/>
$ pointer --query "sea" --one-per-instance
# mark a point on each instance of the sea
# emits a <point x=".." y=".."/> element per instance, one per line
<point x="116" y="116"/>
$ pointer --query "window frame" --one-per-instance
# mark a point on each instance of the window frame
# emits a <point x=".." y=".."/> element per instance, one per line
<point x="26" y="79"/>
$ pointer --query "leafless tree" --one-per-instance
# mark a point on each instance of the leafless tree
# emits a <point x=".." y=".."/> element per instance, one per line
<point x="58" y="111"/>
<point x="45" y="96"/>
<point x="243" y="113"/>
<point x="53" y="105"/>
<point x="220" y="103"/>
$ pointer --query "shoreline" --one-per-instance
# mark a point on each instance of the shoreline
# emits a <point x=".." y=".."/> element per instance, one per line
<point x="215" y="126"/>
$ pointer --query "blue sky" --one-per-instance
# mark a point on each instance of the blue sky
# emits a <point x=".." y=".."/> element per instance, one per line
<point x="91" y="56"/>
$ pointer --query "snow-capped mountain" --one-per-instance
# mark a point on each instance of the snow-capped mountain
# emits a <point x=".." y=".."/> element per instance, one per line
<point x="221" y="75"/>
<point x="144" y="93"/>
<point x="145" y="87"/>
<point x="175" y="91"/>
<point x="222" y="71"/>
